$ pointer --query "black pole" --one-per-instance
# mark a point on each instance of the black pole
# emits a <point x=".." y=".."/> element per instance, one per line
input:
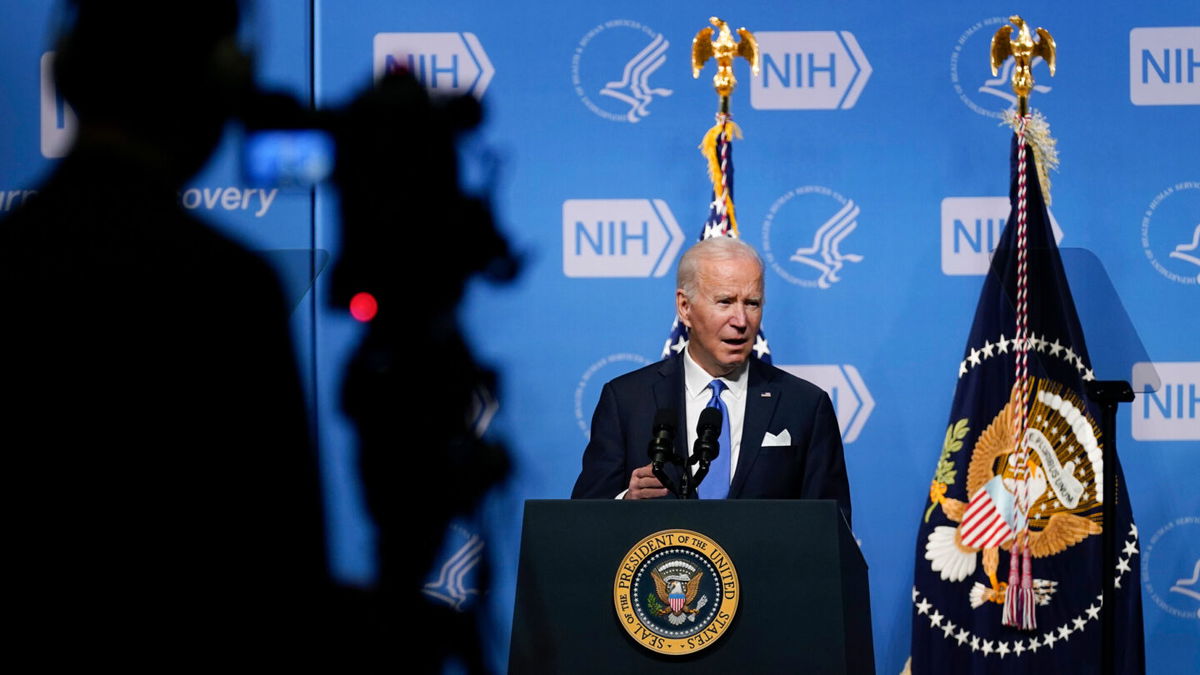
<point x="1108" y="394"/>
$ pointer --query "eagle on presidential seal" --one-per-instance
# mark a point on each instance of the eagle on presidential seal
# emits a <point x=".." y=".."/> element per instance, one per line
<point x="676" y="589"/>
<point x="1063" y="491"/>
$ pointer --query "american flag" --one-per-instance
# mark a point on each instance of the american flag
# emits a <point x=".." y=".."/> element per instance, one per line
<point x="717" y="147"/>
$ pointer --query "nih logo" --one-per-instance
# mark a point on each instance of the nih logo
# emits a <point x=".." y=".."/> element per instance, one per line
<point x="1164" y="66"/>
<point x="1170" y="412"/>
<point x="58" y="120"/>
<point x="618" y="238"/>
<point x="851" y="400"/>
<point x="446" y="63"/>
<point x="809" y="70"/>
<point x="971" y="228"/>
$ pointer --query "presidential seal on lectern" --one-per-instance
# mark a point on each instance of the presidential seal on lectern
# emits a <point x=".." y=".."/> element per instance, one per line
<point x="676" y="592"/>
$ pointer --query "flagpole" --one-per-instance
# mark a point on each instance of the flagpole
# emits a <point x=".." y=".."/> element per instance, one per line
<point x="1019" y="599"/>
<point x="1106" y="394"/>
<point x="716" y="147"/>
<point x="717" y="144"/>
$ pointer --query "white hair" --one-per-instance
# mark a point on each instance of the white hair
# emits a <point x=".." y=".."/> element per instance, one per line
<point x="711" y="249"/>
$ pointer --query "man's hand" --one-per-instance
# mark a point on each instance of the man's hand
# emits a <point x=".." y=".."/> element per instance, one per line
<point x="643" y="484"/>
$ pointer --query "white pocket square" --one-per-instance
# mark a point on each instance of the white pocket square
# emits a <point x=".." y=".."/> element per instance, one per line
<point x="771" y="440"/>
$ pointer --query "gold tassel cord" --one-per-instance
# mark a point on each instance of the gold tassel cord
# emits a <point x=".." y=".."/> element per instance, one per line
<point x="708" y="148"/>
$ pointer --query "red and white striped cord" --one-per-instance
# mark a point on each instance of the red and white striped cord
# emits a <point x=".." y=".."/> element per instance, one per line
<point x="1021" y="376"/>
<point x="1019" y="601"/>
<point x="1022" y="351"/>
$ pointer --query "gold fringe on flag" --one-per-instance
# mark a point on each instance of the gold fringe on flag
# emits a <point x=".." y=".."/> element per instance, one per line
<point x="729" y="130"/>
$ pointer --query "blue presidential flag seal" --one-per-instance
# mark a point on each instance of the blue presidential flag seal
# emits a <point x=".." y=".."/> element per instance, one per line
<point x="676" y="592"/>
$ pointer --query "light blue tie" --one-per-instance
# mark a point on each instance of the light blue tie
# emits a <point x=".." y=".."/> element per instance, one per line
<point x="716" y="485"/>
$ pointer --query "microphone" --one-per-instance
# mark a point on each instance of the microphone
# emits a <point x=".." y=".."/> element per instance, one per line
<point x="662" y="445"/>
<point x="708" y="446"/>
<point x="662" y="438"/>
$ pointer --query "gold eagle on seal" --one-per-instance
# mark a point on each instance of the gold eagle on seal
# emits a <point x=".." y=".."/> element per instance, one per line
<point x="675" y="587"/>
<point x="1063" y="490"/>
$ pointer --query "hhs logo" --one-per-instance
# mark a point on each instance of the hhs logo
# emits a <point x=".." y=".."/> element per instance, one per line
<point x="1164" y="66"/>
<point x="1170" y="412"/>
<point x="58" y="120"/>
<point x="803" y="235"/>
<point x="809" y="70"/>
<point x="971" y="228"/>
<point x="457" y="582"/>
<point x="1171" y="232"/>
<point x="447" y="63"/>
<point x="587" y="392"/>
<point x="618" y="238"/>
<point x="1171" y="567"/>
<point x="622" y="56"/>
<point x="851" y="400"/>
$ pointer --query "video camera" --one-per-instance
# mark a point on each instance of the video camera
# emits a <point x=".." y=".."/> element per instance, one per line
<point x="392" y="155"/>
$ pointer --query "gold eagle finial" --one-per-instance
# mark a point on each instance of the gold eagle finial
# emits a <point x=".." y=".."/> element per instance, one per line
<point x="1023" y="50"/>
<point x="724" y="50"/>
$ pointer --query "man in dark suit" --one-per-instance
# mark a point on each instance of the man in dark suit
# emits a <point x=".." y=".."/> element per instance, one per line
<point x="163" y="499"/>
<point x="780" y="436"/>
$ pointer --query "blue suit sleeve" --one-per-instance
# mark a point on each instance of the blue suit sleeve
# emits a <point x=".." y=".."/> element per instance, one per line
<point x="604" y="474"/>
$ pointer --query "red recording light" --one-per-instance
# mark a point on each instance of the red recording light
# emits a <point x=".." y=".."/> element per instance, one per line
<point x="363" y="306"/>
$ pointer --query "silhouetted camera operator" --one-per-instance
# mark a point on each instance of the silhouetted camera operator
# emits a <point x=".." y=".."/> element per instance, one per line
<point x="162" y="491"/>
<point x="411" y="239"/>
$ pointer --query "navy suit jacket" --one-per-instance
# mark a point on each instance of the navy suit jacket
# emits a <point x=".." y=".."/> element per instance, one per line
<point x="812" y="467"/>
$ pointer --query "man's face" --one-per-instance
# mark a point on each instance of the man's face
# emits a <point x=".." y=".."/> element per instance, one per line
<point x="724" y="316"/>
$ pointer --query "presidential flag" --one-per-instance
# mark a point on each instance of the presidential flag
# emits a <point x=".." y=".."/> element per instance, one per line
<point x="1008" y="571"/>
<point x="717" y="148"/>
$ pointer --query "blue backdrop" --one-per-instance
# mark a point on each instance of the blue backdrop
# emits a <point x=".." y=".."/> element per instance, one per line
<point x="885" y="114"/>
